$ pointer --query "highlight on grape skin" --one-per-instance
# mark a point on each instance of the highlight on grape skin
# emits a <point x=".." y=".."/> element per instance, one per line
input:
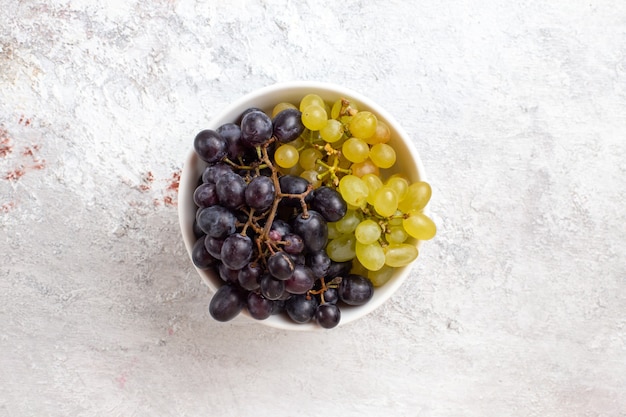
<point x="301" y="213"/>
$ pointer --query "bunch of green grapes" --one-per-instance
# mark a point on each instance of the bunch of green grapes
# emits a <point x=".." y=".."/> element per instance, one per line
<point x="347" y="149"/>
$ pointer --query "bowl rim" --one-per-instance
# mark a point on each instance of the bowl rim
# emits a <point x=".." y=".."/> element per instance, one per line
<point x="193" y="164"/>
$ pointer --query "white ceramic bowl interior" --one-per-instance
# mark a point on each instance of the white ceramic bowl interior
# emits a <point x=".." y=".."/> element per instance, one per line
<point x="408" y="163"/>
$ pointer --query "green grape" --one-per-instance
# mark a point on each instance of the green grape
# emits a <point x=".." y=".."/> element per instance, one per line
<point x="286" y="156"/>
<point x="366" y="167"/>
<point x="368" y="231"/>
<point x="295" y="170"/>
<point x="371" y="256"/>
<point x="400" y="254"/>
<point x="311" y="99"/>
<point x="338" y="105"/>
<point x="332" y="131"/>
<point x="363" y="124"/>
<point x="342" y="248"/>
<point x="382" y="155"/>
<point x="373" y="184"/>
<point x="399" y="184"/>
<point x="355" y="150"/>
<point x="333" y="233"/>
<point x="382" y="276"/>
<point x="311" y="176"/>
<point x="353" y="190"/>
<point x="349" y="222"/>
<point x="396" y="234"/>
<point x="314" y="117"/>
<point x="419" y="225"/>
<point x="336" y="109"/>
<point x="308" y="158"/>
<point x="357" y="268"/>
<point x="385" y="201"/>
<point x="297" y="143"/>
<point x="416" y="198"/>
<point x="381" y="135"/>
<point x="282" y="106"/>
<point x="396" y="219"/>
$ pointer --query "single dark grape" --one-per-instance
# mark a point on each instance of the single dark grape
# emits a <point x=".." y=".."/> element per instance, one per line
<point x="338" y="269"/>
<point x="245" y="113"/>
<point x="201" y="258"/>
<point x="301" y="281"/>
<point x="217" y="221"/>
<point x="249" y="276"/>
<point x="210" y="146"/>
<point x="259" y="307"/>
<point x="301" y="308"/>
<point x="197" y="232"/>
<point x="228" y="274"/>
<point x="278" y="307"/>
<point x="216" y="171"/>
<point x="355" y="290"/>
<point x="297" y="258"/>
<point x="319" y="262"/>
<point x="288" y="125"/>
<point x="231" y="133"/>
<point x="290" y="184"/>
<point x="256" y="128"/>
<point x="231" y="190"/>
<point x="236" y="251"/>
<point x="205" y="195"/>
<point x="329" y="204"/>
<point x="328" y="315"/>
<point x="280" y="265"/>
<point x="214" y="246"/>
<point x="331" y="296"/>
<point x="227" y="303"/>
<point x="293" y="244"/>
<point x="281" y="227"/>
<point x="313" y="230"/>
<point x="260" y="193"/>
<point x="271" y="287"/>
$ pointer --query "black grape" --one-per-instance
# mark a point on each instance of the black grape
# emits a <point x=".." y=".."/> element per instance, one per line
<point x="355" y="290"/>
<point x="260" y="193"/>
<point x="210" y="146"/>
<point x="301" y="281"/>
<point x="217" y="221"/>
<point x="236" y="251"/>
<point x="227" y="274"/>
<point x="288" y="125"/>
<point x="256" y="128"/>
<point x="319" y="262"/>
<point x="293" y="244"/>
<point x="329" y="203"/>
<point x="271" y="287"/>
<point x="216" y="171"/>
<point x="232" y="135"/>
<point x="280" y="265"/>
<point x="328" y="315"/>
<point x="214" y="246"/>
<point x="205" y="195"/>
<point x="301" y="308"/>
<point x="290" y="184"/>
<point x="281" y="227"/>
<point x="231" y="190"/>
<point x="249" y="276"/>
<point x="313" y="230"/>
<point x="259" y="307"/>
<point x="201" y="258"/>
<point x="338" y="269"/>
<point x="227" y="303"/>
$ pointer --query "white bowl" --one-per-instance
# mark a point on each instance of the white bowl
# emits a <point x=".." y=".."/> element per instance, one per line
<point x="408" y="163"/>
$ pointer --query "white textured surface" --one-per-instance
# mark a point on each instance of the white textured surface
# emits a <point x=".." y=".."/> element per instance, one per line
<point x="517" y="308"/>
